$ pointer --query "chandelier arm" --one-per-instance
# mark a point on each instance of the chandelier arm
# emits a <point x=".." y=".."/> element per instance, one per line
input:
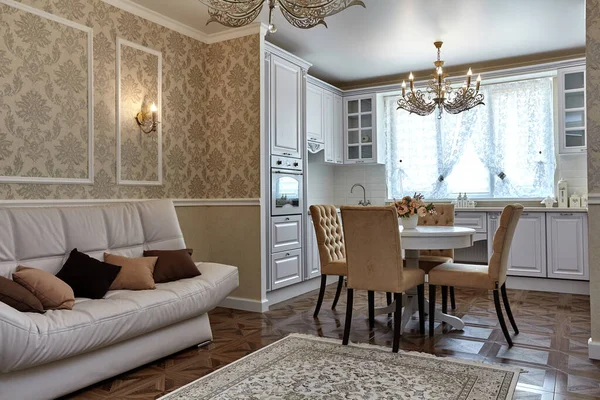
<point x="326" y="7"/>
<point x="240" y="6"/>
<point x="234" y="20"/>
<point x="301" y="21"/>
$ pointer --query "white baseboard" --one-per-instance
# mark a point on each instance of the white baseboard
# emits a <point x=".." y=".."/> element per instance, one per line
<point x="286" y="293"/>
<point x="593" y="349"/>
<point x="240" y="303"/>
<point x="548" y="285"/>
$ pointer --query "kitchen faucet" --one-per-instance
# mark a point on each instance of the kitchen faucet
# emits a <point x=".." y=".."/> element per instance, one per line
<point x="364" y="201"/>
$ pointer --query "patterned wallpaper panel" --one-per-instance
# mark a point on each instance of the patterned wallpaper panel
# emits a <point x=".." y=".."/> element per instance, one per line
<point x="210" y="111"/>
<point x="44" y="81"/>
<point x="593" y="93"/>
<point x="139" y="88"/>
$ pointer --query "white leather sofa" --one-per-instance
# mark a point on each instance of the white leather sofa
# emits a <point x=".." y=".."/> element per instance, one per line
<point x="48" y="355"/>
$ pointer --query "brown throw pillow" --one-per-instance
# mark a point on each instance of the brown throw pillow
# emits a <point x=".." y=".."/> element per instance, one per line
<point x="16" y="296"/>
<point x="135" y="274"/>
<point x="53" y="293"/>
<point x="173" y="265"/>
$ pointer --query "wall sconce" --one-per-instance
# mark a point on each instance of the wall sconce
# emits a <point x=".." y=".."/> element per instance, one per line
<point x="148" y="121"/>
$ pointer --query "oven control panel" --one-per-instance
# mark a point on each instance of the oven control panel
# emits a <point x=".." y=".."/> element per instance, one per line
<point x="286" y="163"/>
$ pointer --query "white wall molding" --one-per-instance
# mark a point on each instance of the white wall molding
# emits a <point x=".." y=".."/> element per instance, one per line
<point x="90" y="114"/>
<point x="254" y="202"/>
<point x="157" y="18"/>
<point x="239" y="303"/>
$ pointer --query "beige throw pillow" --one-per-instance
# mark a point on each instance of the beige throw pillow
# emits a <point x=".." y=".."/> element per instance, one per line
<point x="135" y="274"/>
<point x="53" y="293"/>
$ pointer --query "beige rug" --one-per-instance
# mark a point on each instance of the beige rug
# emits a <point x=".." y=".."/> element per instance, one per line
<point x="302" y="366"/>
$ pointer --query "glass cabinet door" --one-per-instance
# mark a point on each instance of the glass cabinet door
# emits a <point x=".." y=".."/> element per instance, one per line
<point x="572" y="114"/>
<point x="360" y="120"/>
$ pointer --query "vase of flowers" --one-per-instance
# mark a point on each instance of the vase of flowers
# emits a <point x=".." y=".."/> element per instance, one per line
<point x="411" y="208"/>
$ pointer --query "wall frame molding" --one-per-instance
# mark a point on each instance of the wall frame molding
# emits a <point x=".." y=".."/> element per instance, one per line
<point x="123" y="42"/>
<point x="90" y="98"/>
<point x="157" y="18"/>
<point x="250" y="202"/>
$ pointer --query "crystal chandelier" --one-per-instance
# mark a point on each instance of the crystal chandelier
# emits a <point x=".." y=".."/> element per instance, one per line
<point x="300" y="13"/>
<point x="440" y="94"/>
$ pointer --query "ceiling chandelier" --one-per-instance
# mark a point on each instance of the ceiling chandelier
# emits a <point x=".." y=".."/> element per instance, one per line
<point x="439" y="94"/>
<point x="300" y="13"/>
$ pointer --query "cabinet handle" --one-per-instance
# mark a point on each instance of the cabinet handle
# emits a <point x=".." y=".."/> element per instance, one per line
<point x="566" y="214"/>
<point x="526" y="214"/>
<point x="287" y="219"/>
<point x="359" y="162"/>
<point x="287" y="254"/>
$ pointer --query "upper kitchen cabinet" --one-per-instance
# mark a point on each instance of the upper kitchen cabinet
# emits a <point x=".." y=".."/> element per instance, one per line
<point x="314" y="113"/>
<point x="571" y="111"/>
<point x="328" y="120"/>
<point x="360" y="128"/>
<point x="286" y="78"/>
<point x="338" y="129"/>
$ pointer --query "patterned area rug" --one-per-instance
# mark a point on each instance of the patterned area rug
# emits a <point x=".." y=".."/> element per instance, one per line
<point x="302" y="366"/>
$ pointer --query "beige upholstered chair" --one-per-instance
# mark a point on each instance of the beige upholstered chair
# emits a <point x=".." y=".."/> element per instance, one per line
<point x="374" y="258"/>
<point x="429" y="259"/>
<point x="332" y="253"/>
<point x="491" y="277"/>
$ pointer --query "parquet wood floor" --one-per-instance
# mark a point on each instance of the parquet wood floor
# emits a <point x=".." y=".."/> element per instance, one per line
<point x="552" y="345"/>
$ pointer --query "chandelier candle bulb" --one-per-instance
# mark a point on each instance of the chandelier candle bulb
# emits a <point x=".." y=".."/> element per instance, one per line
<point x="154" y="112"/>
<point x="403" y="88"/>
<point x="478" y="83"/>
<point x="469" y="73"/>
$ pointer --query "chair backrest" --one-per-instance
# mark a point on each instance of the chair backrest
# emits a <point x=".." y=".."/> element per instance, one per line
<point x="503" y="237"/>
<point x="328" y="229"/>
<point x="444" y="216"/>
<point x="373" y="249"/>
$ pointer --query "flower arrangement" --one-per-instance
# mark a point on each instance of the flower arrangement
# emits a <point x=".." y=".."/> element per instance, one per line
<point x="409" y="206"/>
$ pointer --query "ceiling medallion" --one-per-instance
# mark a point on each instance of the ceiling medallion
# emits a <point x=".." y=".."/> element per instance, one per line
<point x="440" y="94"/>
<point x="302" y="14"/>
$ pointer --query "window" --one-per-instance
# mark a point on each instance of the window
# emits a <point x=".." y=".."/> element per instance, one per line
<point x="503" y="149"/>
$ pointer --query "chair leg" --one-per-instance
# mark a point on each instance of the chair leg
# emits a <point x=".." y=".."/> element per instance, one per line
<point x="432" y="289"/>
<point x="445" y="299"/>
<point x="397" y="321"/>
<point x="338" y="292"/>
<point x="501" y="318"/>
<point x="452" y="298"/>
<point x="371" y="309"/>
<point x="348" y="323"/>
<point x="421" y="301"/>
<point x="508" y="310"/>
<point x="388" y="298"/>
<point x="321" y="295"/>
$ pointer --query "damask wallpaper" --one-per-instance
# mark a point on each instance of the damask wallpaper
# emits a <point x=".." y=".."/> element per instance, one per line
<point x="210" y="109"/>
<point x="593" y="93"/>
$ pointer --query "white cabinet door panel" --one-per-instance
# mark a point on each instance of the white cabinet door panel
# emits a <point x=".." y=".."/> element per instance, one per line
<point x="328" y="118"/>
<point x="286" y="233"/>
<point x="338" y="129"/>
<point x="313" y="262"/>
<point x="314" y="113"/>
<point x="286" y="268"/>
<point x="567" y="246"/>
<point x="286" y="109"/>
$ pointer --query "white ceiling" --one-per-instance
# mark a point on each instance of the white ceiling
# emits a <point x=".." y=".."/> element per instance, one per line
<point x="392" y="36"/>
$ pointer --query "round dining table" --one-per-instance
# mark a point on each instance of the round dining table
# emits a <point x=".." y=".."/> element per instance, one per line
<point x="428" y="238"/>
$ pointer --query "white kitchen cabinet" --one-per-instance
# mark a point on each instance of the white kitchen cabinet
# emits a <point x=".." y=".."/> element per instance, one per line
<point x="286" y="233"/>
<point x="314" y="113"/>
<point x="528" y="250"/>
<point x="572" y="110"/>
<point x="313" y="264"/>
<point x="286" y="268"/>
<point x="360" y="131"/>
<point x="328" y="119"/>
<point x="338" y="129"/>
<point x="567" y="246"/>
<point x="285" y="107"/>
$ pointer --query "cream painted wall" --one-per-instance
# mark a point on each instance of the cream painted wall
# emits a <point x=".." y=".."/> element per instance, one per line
<point x="227" y="235"/>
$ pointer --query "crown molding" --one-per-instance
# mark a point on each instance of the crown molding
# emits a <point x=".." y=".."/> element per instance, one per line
<point x="160" y="19"/>
<point x="235" y="202"/>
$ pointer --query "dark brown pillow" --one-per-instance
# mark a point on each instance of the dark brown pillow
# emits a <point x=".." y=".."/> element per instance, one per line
<point x="87" y="276"/>
<point x="173" y="265"/>
<point x="16" y="296"/>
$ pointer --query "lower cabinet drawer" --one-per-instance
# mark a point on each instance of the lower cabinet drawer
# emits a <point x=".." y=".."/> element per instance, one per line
<point x="474" y="220"/>
<point x="286" y="233"/>
<point x="286" y="268"/>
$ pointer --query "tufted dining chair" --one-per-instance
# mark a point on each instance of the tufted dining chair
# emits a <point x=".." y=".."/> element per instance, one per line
<point x="374" y="258"/>
<point x="332" y="253"/>
<point x="491" y="277"/>
<point x="429" y="259"/>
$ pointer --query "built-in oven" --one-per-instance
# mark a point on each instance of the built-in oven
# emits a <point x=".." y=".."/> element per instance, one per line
<point x="286" y="186"/>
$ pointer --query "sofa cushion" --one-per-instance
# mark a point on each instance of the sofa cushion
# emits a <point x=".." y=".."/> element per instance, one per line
<point x="31" y="339"/>
<point x="87" y="276"/>
<point x="173" y="265"/>
<point x="53" y="293"/>
<point x="136" y="273"/>
<point x="19" y="298"/>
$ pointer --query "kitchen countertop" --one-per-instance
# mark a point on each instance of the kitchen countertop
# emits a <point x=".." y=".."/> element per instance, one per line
<point x="526" y="209"/>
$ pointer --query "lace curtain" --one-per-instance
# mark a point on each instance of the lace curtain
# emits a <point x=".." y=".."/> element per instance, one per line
<point x="512" y="134"/>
